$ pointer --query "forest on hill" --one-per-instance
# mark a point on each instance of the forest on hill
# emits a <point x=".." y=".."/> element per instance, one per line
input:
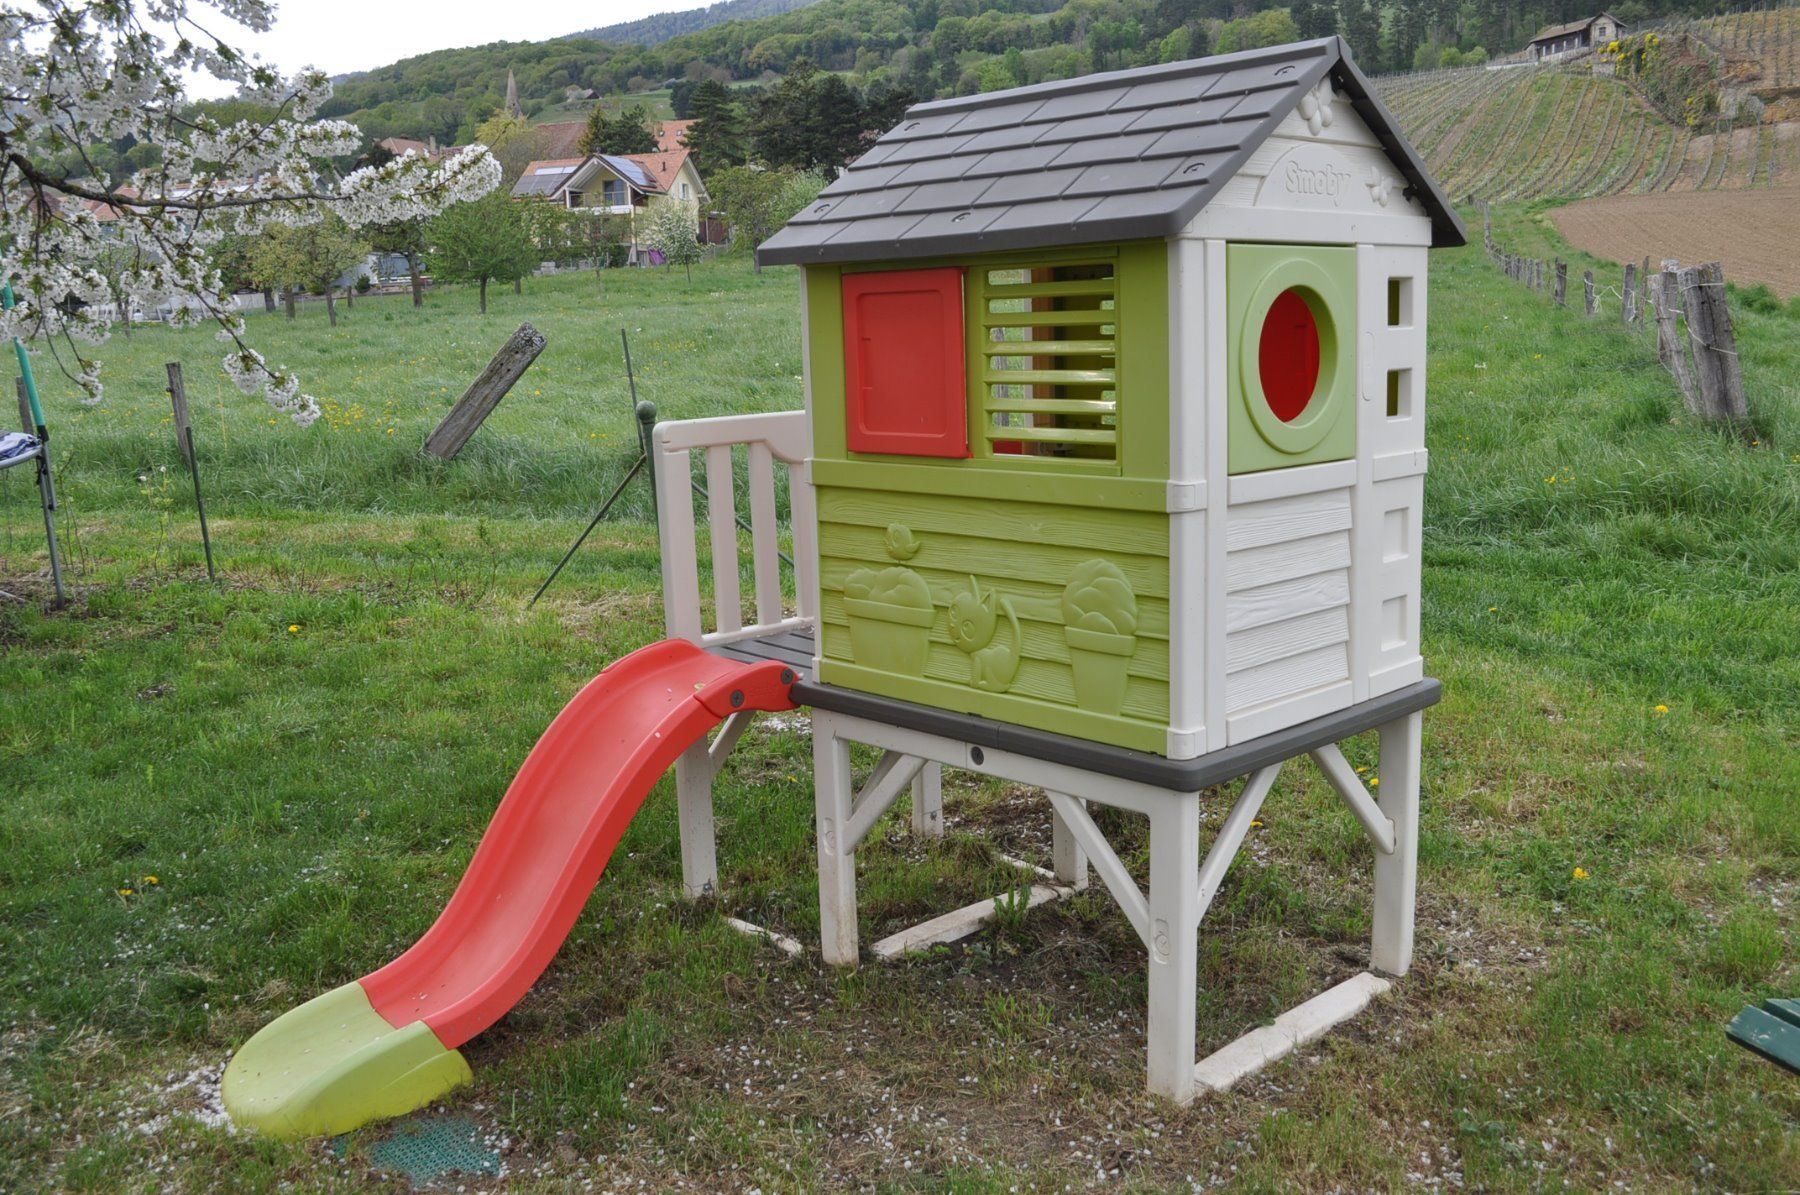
<point x="943" y="47"/>
<point x="661" y="26"/>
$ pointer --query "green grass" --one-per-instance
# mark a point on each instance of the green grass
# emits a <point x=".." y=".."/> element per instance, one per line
<point x="305" y="755"/>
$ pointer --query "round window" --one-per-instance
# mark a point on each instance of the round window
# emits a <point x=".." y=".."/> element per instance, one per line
<point x="1288" y="355"/>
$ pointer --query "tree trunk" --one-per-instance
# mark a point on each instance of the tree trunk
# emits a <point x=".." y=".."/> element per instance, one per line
<point x="418" y="283"/>
<point x="484" y="283"/>
<point x="689" y="268"/>
<point x="331" y="306"/>
<point x="269" y="299"/>
<point x="519" y="285"/>
<point x="125" y="317"/>
<point x="350" y="296"/>
<point x="287" y="297"/>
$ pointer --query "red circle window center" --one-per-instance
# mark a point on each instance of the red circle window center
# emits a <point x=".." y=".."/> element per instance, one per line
<point x="1288" y="355"/>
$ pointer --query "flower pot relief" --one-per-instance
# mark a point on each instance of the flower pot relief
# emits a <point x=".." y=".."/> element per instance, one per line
<point x="890" y="616"/>
<point x="1100" y="622"/>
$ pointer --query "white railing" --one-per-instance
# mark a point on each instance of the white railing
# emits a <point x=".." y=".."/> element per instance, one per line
<point x="783" y="437"/>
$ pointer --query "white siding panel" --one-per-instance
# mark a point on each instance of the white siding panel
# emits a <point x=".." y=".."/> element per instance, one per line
<point x="1278" y="640"/>
<point x="1283" y="679"/>
<point x="1257" y="524"/>
<point x="1265" y="604"/>
<point x="1287" y="608"/>
<point x="1285" y="561"/>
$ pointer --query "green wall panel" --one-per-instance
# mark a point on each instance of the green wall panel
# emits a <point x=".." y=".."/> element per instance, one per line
<point x="1255" y="275"/>
<point x="1136" y="480"/>
<point x="1040" y="614"/>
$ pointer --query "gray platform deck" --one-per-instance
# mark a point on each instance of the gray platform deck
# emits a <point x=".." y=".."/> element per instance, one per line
<point x="795" y="648"/>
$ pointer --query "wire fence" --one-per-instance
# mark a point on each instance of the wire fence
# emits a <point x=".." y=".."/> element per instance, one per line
<point x="1686" y="309"/>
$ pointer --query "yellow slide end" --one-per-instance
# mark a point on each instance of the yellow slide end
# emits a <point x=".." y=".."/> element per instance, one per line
<point x="334" y="1064"/>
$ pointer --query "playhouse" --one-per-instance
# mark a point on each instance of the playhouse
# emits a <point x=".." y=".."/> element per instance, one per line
<point x="1109" y="483"/>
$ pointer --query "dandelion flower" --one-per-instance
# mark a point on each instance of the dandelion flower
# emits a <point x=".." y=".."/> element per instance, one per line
<point x="151" y="881"/>
<point x="1374" y="782"/>
<point x="1256" y="823"/>
<point x="293" y="628"/>
<point x="1580" y="873"/>
<point x="127" y="892"/>
<point x="1661" y="710"/>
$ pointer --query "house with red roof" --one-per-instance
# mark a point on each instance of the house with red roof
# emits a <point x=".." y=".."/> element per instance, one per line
<point x="619" y="185"/>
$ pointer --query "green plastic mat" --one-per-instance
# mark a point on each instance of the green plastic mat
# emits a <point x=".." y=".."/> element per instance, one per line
<point x="1773" y="1031"/>
<point x="426" y="1149"/>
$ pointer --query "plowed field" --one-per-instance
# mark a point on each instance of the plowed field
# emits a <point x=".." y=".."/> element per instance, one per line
<point x="1755" y="233"/>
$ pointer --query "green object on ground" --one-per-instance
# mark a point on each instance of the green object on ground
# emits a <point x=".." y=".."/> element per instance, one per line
<point x="335" y="1063"/>
<point x="31" y="391"/>
<point x="427" y="1150"/>
<point x="1773" y="1031"/>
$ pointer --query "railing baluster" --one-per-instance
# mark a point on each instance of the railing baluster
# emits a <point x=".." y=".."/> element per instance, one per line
<point x="765" y="536"/>
<point x="806" y="541"/>
<point x="680" y="563"/>
<point x="721" y="498"/>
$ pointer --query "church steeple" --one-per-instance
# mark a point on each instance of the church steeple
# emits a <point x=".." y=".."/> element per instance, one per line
<point x="512" y="95"/>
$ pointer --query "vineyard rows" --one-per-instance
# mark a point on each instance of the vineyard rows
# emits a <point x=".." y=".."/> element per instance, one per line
<point x="1761" y="48"/>
<point x="1524" y="133"/>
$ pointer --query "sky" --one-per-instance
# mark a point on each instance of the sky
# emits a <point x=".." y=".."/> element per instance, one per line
<point x="339" y="36"/>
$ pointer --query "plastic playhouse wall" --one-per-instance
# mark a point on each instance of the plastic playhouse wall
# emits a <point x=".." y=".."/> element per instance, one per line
<point x="984" y="575"/>
<point x="1162" y="495"/>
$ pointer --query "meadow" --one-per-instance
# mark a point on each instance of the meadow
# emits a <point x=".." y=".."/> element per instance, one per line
<point x="221" y="799"/>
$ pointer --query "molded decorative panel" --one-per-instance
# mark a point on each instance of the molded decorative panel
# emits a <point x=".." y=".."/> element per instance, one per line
<point x="1055" y="617"/>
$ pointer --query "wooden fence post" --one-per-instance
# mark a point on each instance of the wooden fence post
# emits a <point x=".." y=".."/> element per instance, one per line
<point x="1720" y="377"/>
<point x="1628" y="306"/>
<point x="1669" y="347"/>
<point x="1587" y="282"/>
<point x="1562" y="283"/>
<point x="178" y="400"/>
<point x="485" y="392"/>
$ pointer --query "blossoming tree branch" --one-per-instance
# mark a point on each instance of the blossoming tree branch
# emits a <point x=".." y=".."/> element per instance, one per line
<point x="75" y="76"/>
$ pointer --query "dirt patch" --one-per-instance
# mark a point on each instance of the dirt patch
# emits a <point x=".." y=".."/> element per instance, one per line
<point x="1753" y="232"/>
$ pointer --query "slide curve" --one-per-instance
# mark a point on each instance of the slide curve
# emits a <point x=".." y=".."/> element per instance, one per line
<point x="387" y="1043"/>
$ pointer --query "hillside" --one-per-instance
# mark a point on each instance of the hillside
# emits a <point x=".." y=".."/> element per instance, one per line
<point x="660" y="27"/>
<point x="1553" y="133"/>
<point x="1516" y="134"/>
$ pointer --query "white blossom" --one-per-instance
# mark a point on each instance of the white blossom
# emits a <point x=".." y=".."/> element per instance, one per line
<point x="76" y="74"/>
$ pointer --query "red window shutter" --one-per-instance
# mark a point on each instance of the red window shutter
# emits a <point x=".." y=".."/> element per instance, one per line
<point x="904" y="368"/>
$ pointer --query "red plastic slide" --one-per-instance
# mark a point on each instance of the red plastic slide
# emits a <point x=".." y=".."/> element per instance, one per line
<point x="333" y="1063"/>
<point x="557" y="827"/>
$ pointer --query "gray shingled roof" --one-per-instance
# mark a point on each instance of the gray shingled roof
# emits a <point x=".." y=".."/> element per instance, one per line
<point x="1108" y="157"/>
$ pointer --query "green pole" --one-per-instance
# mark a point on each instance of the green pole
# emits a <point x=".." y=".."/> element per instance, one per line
<point x="31" y="390"/>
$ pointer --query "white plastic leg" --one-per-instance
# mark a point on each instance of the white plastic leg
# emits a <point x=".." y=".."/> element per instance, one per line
<point x="1174" y="944"/>
<point x="837" y="863"/>
<point x="928" y="802"/>
<point x="1397" y="874"/>
<point x="1067" y="860"/>
<point x="693" y="797"/>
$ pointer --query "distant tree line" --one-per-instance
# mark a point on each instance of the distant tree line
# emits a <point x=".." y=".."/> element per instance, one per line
<point x="939" y="48"/>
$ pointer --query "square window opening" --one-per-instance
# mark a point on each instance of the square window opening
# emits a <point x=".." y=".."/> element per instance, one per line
<point x="1048" y="367"/>
<point x="1399" y="302"/>
<point x="1399" y="393"/>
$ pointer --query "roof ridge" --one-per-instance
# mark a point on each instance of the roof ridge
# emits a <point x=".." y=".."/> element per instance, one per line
<point x="1137" y="74"/>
